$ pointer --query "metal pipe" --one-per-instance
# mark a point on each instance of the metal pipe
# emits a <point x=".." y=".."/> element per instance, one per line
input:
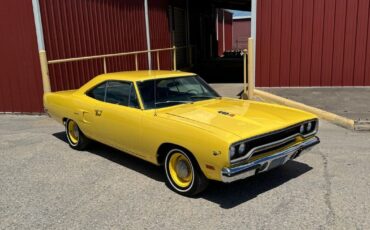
<point x="174" y="59"/>
<point x="109" y="55"/>
<point x="147" y="30"/>
<point x="41" y="46"/>
<point x="251" y="84"/>
<point x="254" y="34"/>
<point x="136" y="63"/>
<point x="105" y="65"/>
<point x="158" y="64"/>
<point x="223" y="30"/>
<point x="217" y="24"/>
<point x="38" y="24"/>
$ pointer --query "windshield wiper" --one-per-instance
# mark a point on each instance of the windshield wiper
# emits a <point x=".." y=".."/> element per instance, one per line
<point x="180" y="102"/>
<point x="204" y="96"/>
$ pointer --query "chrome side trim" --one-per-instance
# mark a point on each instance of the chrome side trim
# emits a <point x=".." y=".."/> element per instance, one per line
<point x="243" y="171"/>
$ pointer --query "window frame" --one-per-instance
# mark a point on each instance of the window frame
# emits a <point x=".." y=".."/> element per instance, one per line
<point x="106" y="82"/>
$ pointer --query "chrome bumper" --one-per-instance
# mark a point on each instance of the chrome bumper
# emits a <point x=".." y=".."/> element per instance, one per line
<point x="264" y="164"/>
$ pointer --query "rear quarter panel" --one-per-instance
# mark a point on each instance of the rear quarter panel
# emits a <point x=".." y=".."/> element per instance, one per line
<point x="60" y="105"/>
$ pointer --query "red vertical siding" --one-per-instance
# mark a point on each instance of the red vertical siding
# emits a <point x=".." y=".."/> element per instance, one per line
<point x="276" y="33"/>
<point x="160" y="33"/>
<point x="228" y="30"/>
<point x="317" y="35"/>
<point x="285" y="42"/>
<point x="92" y="27"/>
<point x="307" y="28"/>
<point x="225" y="30"/>
<point x="220" y="28"/>
<point x="339" y="37"/>
<point x="241" y="32"/>
<point x="296" y="52"/>
<point x="361" y="42"/>
<point x="266" y="41"/>
<point x="350" y="43"/>
<point x="258" y="44"/>
<point x="313" y="43"/>
<point x="20" y="81"/>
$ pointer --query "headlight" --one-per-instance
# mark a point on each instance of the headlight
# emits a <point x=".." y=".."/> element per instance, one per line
<point x="241" y="148"/>
<point x="232" y="152"/>
<point x="309" y="126"/>
<point x="301" y="129"/>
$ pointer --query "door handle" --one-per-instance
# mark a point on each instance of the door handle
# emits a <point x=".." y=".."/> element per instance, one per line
<point x="98" y="112"/>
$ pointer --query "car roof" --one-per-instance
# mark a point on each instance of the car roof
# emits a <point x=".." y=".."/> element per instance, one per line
<point x="143" y="75"/>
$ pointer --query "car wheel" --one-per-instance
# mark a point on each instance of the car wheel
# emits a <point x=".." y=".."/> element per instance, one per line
<point x="183" y="173"/>
<point x="76" y="139"/>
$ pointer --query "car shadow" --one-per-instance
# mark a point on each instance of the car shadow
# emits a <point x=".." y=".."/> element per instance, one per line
<point x="121" y="158"/>
<point x="231" y="195"/>
<point x="225" y="195"/>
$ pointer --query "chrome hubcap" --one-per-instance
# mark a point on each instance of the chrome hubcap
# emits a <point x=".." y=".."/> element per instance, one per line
<point x="182" y="169"/>
<point x="75" y="131"/>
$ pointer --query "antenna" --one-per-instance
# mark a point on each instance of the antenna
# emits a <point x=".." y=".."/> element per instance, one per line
<point x="155" y="95"/>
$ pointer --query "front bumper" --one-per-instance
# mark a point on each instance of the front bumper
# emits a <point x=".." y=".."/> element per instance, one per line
<point x="264" y="164"/>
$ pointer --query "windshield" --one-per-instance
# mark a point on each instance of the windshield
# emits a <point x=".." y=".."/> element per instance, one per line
<point x="174" y="91"/>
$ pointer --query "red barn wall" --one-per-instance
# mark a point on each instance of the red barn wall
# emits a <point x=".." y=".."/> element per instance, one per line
<point x="241" y="33"/>
<point x="160" y="32"/>
<point x="94" y="27"/>
<point x="225" y="30"/>
<point x="228" y="30"/>
<point x="313" y="43"/>
<point x="20" y="80"/>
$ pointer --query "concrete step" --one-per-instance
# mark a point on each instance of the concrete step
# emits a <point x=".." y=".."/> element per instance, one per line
<point x="362" y="125"/>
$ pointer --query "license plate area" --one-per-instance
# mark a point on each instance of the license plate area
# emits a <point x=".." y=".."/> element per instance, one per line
<point x="277" y="162"/>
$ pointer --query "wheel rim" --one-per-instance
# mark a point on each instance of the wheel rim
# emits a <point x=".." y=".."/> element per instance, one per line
<point x="73" y="132"/>
<point x="180" y="170"/>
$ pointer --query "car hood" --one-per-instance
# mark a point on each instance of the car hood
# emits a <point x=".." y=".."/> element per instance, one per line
<point x="239" y="117"/>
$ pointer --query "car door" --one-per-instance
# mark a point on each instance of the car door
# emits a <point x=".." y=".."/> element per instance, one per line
<point x="118" y="119"/>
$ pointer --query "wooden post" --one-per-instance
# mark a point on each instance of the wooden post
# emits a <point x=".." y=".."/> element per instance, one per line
<point x="105" y="65"/>
<point x="245" y="71"/>
<point x="174" y="59"/>
<point x="44" y="71"/>
<point x="158" y="64"/>
<point x="251" y="85"/>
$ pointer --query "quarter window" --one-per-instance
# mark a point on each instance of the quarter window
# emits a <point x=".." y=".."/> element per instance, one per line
<point x="116" y="92"/>
<point x="98" y="92"/>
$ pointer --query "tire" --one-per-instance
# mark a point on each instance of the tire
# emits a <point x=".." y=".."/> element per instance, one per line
<point x="76" y="139"/>
<point x="183" y="173"/>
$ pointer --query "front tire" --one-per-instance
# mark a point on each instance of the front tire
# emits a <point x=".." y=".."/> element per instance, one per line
<point x="183" y="173"/>
<point x="76" y="139"/>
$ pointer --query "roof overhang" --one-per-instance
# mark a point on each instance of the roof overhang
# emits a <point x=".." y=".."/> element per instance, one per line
<point x="244" y="5"/>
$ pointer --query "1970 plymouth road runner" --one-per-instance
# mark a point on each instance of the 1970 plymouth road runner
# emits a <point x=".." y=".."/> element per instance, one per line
<point x="176" y="120"/>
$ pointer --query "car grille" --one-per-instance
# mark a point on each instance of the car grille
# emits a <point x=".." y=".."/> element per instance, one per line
<point x="281" y="138"/>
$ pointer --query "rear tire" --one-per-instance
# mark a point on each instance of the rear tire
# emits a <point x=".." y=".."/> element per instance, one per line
<point x="76" y="139"/>
<point x="183" y="173"/>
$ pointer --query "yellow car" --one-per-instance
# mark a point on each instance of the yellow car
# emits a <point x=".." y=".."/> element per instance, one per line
<point x="177" y="120"/>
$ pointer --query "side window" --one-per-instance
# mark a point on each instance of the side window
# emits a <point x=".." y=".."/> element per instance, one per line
<point x="98" y="92"/>
<point x="118" y="92"/>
